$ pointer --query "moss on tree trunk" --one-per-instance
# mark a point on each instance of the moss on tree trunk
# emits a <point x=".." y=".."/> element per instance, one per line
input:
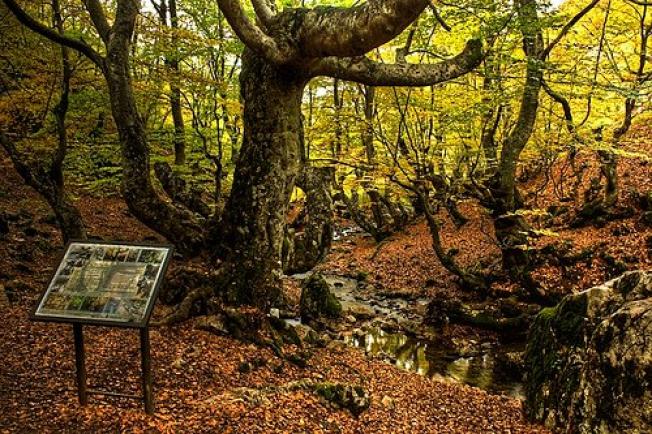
<point x="253" y="226"/>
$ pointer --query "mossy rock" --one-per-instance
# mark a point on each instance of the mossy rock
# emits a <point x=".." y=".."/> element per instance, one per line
<point x="350" y="397"/>
<point x="589" y="360"/>
<point x="317" y="300"/>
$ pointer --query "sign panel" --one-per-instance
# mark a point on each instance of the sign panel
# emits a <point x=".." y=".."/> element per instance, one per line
<point x="105" y="283"/>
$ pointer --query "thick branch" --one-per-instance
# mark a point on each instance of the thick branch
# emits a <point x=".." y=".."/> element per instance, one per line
<point x="354" y="31"/>
<point x="263" y="11"/>
<point x="96" y="12"/>
<point x="250" y="34"/>
<point x="366" y="71"/>
<point x="76" y="44"/>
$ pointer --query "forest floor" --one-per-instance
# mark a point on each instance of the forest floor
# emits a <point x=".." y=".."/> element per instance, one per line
<point x="200" y="385"/>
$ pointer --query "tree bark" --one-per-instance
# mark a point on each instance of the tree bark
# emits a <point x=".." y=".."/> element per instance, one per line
<point x="48" y="181"/>
<point x="511" y="228"/>
<point x="253" y="226"/>
<point x="304" y="251"/>
<point x="368" y="133"/>
<point x="177" y="224"/>
<point x="175" y="96"/>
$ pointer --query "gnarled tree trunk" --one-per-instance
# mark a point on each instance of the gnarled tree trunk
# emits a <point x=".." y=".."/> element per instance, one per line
<point x="303" y="251"/>
<point x="253" y="225"/>
<point x="177" y="224"/>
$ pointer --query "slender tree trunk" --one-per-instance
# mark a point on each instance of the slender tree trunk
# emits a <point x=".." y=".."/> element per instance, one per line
<point x="253" y="225"/>
<point x="491" y="119"/>
<point x="468" y="279"/>
<point x="336" y="147"/>
<point x="48" y="180"/>
<point x="172" y="62"/>
<point x="368" y="133"/>
<point x="511" y="228"/>
<point x="67" y="215"/>
<point x="609" y="169"/>
<point x="608" y="158"/>
<point x="175" y="96"/>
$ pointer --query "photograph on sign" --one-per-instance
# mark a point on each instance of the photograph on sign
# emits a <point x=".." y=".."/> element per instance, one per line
<point x="104" y="282"/>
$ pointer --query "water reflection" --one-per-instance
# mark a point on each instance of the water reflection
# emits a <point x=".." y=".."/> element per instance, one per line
<point x="418" y="356"/>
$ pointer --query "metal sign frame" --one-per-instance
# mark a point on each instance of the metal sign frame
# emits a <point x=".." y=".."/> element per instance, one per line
<point x="95" y="321"/>
<point x="78" y="322"/>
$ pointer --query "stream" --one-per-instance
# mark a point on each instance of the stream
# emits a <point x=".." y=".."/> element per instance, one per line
<point x="421" y="356"/>
<point x="475" y="366"/>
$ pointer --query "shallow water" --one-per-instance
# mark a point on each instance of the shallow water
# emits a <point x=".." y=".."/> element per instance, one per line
<point x="424" y="358"/>
<point x="479" y="369"/>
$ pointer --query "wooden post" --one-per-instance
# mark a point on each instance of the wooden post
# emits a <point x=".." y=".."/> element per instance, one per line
<point x="147" y="370"/>
<point x="80" y="363"/>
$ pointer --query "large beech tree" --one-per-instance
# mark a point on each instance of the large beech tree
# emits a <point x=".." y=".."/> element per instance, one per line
<point x="283" y="52"/>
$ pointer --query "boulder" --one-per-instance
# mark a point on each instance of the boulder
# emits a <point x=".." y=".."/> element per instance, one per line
<point x="589" y="360"/>
<point x="645" y="201"/>
<point x="317" y="300"/>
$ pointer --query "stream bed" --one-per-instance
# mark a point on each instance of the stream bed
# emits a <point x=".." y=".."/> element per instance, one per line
<point x="423" y="357"/>
<point x="476" y="365"/>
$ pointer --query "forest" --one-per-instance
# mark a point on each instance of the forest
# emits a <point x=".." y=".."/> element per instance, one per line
<point x="380" y="216"/>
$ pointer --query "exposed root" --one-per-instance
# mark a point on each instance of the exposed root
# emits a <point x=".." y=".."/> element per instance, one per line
<point x="337" y="395"/>
<point x="516" y="324"/>
<point x="184" y="309"/>
<point x="207" y="287"/>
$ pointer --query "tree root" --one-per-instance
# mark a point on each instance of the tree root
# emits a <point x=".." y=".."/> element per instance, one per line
<point x="598" y="213"/>
<point x="206" y="287"/>
<point x="444" y="311"/>
<point x="184" y="309"/>
<point x="338" y="395"/>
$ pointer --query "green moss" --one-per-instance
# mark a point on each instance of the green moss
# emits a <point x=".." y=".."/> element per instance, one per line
<point x="627" y="283"/>
<point x="547" y="313"/>
<point x="350" y="397"/>
<point x="329" y="391"/>
<point x="570" y="320"/>
<point x="333" y="307"/>
<point x="317" y="299"/>
<point x="362" y="276"/>
<point x="554" y="332"/>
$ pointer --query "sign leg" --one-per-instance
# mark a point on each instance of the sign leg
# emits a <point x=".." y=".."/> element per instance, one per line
<point x="147" y="370"/>
<point x="80" y="363"/>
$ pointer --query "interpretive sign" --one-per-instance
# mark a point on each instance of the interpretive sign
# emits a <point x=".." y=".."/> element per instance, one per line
<point x="95" y="283"/>
<point x="106" y="284"/>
